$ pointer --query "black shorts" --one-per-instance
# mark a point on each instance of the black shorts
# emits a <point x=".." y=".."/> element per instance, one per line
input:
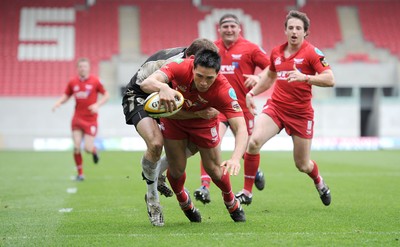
<point x="133" y="109"/>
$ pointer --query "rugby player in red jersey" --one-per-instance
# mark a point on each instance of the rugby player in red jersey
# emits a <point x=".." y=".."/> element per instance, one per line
<point x="153" y="165"/>
<point x="202" y="87"/>
<point x="239" y="60"/>
<point x="85" y="89"/>
<point x="295" y="67"/>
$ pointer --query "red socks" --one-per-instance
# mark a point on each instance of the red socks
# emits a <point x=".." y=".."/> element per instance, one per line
<point x="78" y="163"/>
<point x="205" y="178"/>
<point x="225" y="185"/>
<point x="251" y="164"/>
<point x="314" y="174"/>
<point x="177" y="186"/>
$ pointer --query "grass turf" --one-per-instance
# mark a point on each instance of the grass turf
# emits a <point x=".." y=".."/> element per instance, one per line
<point x="108" y="208"/>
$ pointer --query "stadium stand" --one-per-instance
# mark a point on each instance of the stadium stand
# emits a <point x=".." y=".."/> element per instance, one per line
<point x="268" y="13"/>
<point x="160" y="26"/>
<point x="379" y="24"/>
<point x="358" y="57"/>
<point x="36" y="75"/>
<point x="320" y="33"/>
<point x="42" y="39"/>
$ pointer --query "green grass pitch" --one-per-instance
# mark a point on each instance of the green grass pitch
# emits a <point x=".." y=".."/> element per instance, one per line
<point x="108" y="208"/>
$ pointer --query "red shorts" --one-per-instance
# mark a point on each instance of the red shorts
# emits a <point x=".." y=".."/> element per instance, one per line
<point x="301" y="125"/>
<point x="202" y="135"/>
<point x="89" y="128"/>
<point x="248" y="117"/>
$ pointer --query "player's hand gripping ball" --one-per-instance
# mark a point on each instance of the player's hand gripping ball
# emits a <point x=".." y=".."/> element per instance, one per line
<point x="155" y="109"/>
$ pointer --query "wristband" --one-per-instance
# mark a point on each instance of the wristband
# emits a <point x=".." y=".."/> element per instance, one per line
<point x="251" y="93"/>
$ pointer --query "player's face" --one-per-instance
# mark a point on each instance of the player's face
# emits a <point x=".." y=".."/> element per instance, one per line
<point x="204" y="78"/>
<point x="83" y="69"/>
<point x="295" y="31"/>
<point x="229" y="32"/>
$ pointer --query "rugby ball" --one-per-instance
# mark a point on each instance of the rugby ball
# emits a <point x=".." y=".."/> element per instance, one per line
<point x="154" y="109"/>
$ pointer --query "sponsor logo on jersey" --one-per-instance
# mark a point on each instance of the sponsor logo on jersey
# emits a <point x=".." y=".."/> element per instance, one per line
<point x="281" y="75"/>
<point x="82" y="94"/>
<point x="228" y="69"/>
<point x="298" y="60"/>
<point x="236" y="107"/>
<point x="182" y="88"/>
<point x="318" y="51"/>
<point x="200" y="101"/>
<point x="323" y="62"/>
<point x="236" y="56"/>
<point x="277" y="61"/>
<point x="232" y="94"/>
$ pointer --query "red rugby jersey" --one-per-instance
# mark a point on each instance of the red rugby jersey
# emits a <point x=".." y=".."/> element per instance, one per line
<point x="295" y="97"/>
<point x="243" y="57"/>
<point x="220" y="95"/>
<point x="85" y="93"/>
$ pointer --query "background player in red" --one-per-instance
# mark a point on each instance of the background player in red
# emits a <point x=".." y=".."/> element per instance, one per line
<point x="202" y="86"/>
<point x="239" y="60"/>
<point x="295" y="67"/>
<point x="85" y="89"/>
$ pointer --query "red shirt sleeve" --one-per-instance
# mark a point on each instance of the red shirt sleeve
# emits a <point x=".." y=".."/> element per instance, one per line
<point x="317" y="60"/>
<point x="229" y="104"/>
<point x="260" y="58"/>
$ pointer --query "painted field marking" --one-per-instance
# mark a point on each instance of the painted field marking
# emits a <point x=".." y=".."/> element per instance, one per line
<point x="65" y="210"/>
<point x="72" y="190"/>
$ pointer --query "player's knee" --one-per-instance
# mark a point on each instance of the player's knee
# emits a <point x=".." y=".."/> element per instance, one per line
<point x="253" y="146"/>
<point x="175" y="172"/>
<point x="303" y="166"/>
<point x="155" y="147"/>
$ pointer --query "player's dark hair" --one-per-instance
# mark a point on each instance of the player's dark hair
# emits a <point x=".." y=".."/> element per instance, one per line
<point x="208" y="59"/>
<point x="229" y="18"/>
<point x="199" y="44"/>
<point x="301" y="16"/>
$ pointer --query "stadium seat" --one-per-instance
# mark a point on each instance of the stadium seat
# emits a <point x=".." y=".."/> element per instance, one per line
<point x="36" y="66"/>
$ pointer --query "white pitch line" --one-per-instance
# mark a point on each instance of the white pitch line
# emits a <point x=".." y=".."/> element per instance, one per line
<point x="227" y="234"/>
<point x="72" y="190"/>
<point x="65" y="210"/>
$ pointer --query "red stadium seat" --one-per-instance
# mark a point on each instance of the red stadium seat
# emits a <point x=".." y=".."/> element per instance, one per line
<point x="164" y="24"/>
<point x="96" y="37"/>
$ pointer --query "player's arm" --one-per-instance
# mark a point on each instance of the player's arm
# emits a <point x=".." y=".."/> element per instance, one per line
<point x="267" y="79"/>
<point x="252" y="80"/>
<point x="158" y="82"/>
<point x="104" y="98"/>
<point x="323" y="79"/>
<point x="239" y="129"/>
<point x="207" y="113"/>
<point x="64" y="98"/>
<point x="94" y="108"/>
